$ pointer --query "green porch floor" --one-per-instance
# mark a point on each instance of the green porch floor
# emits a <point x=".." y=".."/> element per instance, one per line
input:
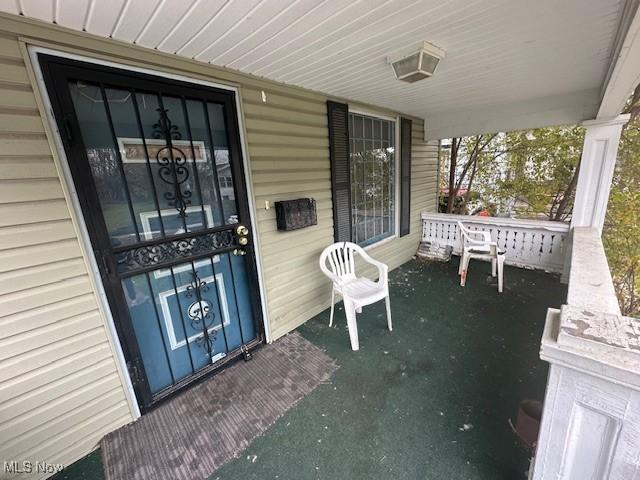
<point x="431" y="400"/>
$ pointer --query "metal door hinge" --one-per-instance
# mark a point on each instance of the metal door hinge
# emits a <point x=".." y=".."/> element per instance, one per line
<point x="106" y="264"/>
<point x="134" y="374"/>
<point x="66" y="127"/>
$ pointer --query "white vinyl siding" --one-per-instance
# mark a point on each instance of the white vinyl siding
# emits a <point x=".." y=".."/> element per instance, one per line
<point x="59" y="385"/>
<point x="60" y="390"/>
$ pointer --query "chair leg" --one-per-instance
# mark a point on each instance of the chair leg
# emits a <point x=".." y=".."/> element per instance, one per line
<point x="500" y="274"/>
<point x="465" y="267"/>
<point x="461" y="264"/>
<point x="333" y="296"/>
<point x="493" y="267"/>
<point x="387" y="302"/>
<point x="350" y="310"/>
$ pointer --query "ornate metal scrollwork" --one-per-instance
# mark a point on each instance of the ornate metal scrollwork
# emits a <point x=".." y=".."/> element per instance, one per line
<point x="164" y="127"/>
<point x="173" y="250"/>
<point x="200" y="313"/>
<point x="173" y="163"/>
<point x="174" y="171"/>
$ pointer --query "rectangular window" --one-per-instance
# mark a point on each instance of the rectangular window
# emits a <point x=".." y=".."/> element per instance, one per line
<point x="372" y="167"/>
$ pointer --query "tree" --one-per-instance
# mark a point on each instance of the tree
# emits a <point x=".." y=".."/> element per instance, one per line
<point x="534" y="173"/>
<point x="621" y="234"/>
<point x="525" y="173"/>
<point x="541" y="171"/>
<point x="465" y="158"/>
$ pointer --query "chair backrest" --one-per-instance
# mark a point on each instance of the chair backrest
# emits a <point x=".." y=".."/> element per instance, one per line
<point x="464" y="232"/>
<point x="471" y="236"/>
<point x="338" y="260"/>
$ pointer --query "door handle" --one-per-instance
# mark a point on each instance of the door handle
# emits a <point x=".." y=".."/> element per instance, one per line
<point x="242" y="231"/>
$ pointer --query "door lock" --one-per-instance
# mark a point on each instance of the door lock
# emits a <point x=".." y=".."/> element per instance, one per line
<point x="240" y="252"/>
<point x="243" y="241"/>
<point x="242" y="231"/>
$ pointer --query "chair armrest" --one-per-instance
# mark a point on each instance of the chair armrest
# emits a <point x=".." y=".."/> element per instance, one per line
<point x="468" y="234"/>
<point x="486" y="236"/>
<point x="471" y="241"/>
<point x="493" y="246"/>
<point x="334" y="279"/>
<point x="383" y="268"/>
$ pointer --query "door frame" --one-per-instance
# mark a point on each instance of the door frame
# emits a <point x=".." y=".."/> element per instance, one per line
<point x="78" y="215"/>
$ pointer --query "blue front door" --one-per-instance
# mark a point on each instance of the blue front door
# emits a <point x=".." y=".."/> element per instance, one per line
<point x="158" y="170"/>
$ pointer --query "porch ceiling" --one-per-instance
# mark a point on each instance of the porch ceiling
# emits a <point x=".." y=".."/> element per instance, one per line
<point x="509" y="64"/>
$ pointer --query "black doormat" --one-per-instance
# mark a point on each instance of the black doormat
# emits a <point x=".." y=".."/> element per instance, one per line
<point x="190" y="436"/>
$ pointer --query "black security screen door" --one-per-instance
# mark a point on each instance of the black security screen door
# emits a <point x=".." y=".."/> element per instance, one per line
<point x="158" y="169"/>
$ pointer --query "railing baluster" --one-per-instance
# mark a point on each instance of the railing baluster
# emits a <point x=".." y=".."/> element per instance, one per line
<point x="530" y="243"/>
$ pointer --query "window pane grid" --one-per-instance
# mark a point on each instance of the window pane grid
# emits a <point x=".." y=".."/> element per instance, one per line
<point x="372" y="158"/>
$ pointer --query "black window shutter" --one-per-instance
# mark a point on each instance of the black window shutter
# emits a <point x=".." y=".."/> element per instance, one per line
<point x="405" y="176"/>
<point x="338" y="114"/>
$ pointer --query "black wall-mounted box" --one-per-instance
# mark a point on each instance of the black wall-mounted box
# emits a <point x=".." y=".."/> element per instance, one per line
<point x="295" y="214"/>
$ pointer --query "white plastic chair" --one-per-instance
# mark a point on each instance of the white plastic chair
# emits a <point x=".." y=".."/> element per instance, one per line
<point x="337" y="262"/>
<point x="484" y="249"/>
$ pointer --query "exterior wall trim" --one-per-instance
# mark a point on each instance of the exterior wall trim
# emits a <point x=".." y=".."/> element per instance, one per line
<point x="60" y="160"/>
<point x="397" y="181"/>
<point x="60" y="157"/>
<point x="396" y="165"/>
<point x="42" y="47"/>
<point x="373" y="113"/>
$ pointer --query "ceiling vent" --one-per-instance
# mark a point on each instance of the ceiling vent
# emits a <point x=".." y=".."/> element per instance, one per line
<point x="418" y="65"/>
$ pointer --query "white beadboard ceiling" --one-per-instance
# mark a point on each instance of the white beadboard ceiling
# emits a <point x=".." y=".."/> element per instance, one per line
<point x="523" y="61"/>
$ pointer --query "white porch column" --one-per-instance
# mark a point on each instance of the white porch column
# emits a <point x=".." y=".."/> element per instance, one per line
<point x="597" y="164"/>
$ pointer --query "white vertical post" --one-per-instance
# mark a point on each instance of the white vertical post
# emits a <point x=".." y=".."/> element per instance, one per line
<point x="597" y="164"/>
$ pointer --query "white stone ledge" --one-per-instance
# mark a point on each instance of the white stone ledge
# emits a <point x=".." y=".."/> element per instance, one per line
<point x="599" y="360"/>
<point x="589" y="329"/>
<point x="590" y="282"/>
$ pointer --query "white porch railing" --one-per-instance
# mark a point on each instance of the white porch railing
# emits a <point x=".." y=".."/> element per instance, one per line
<point x="529" y="243"/>
<point x="591" y="422"/>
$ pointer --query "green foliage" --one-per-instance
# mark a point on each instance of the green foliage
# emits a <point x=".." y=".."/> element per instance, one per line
<point x="533" y="174"/>
<point x="527" y="174"/>
<point x="537" y="172"/>
<point x="621" y="234"/>
<point x="443" y="202"/>
<point x="460" y="163"/>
